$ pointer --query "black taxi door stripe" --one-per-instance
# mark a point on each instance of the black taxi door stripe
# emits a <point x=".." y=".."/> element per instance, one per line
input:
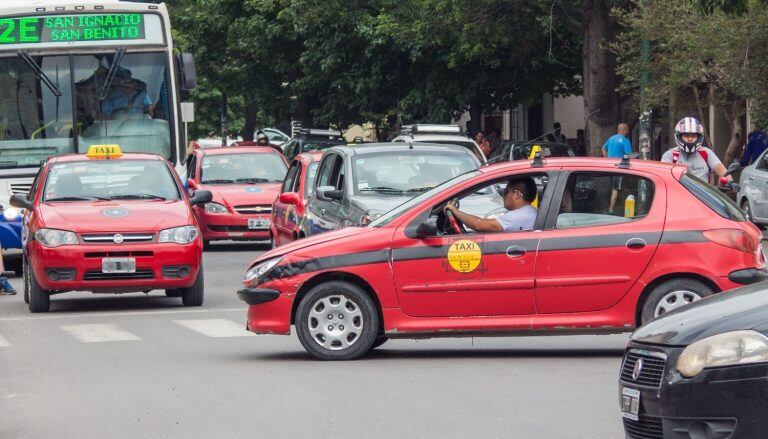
<point x="325" y="263"/>
<point x="683" y="237"/>
<point x="598" y="241"/>
<point x="440" y="251"/>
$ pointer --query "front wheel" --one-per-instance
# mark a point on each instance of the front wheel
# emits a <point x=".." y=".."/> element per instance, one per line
<point x="38" y="299"/>
<point x="194" y="295"/>
<point x="671" y="295"/>
<point x="337" y="321"/>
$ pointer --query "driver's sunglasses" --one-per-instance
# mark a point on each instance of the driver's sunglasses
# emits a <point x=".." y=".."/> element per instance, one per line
<point x="508" y="190"/>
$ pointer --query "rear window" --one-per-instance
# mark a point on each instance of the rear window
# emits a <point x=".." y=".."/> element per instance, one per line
<point x="713" y="198"/>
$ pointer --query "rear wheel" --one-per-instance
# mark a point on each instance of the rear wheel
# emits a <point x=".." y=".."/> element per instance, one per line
<point x="38" y="299"/>
<point x="337" y="321"/>
<point x="194" y="295"/>
<point x="671" y="295"/>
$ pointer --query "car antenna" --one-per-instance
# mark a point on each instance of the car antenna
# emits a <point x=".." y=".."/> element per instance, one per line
<point x="538" y="161"/>
<point x="624" y="163"/>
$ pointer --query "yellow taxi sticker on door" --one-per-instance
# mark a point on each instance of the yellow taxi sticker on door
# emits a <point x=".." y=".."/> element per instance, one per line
<point x="464" y="256"/>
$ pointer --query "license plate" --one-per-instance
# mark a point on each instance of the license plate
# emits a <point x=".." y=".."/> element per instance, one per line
<point x="258" y="223"/>
<point x="630" y="403"/>
<point x="118" y="265"/>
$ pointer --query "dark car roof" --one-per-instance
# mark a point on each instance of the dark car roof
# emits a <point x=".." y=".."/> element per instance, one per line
<point x="376" y="148"/>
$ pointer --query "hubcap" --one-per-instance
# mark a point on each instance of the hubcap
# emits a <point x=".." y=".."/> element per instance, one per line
<point x="674" y="300"/>
<point x="335" y="322"/>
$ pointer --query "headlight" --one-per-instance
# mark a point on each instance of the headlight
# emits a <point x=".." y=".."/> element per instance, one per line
<point x="11" y="213"/>
<point x="55" y="238"/>
<point x="179" y="235"/>
<point x="256" y="272"/>
<point x="727" y="349"/>
<point x="215" y="208"/>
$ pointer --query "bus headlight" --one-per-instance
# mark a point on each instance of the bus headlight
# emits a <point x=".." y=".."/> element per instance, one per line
<point x="11" y="213"/>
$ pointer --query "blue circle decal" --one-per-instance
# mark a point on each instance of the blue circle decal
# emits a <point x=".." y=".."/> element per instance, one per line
<point x="115" y="212"/>
<point x="253" y="190"/>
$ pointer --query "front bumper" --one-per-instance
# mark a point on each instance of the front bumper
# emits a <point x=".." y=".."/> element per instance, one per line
<point x="255" y="296"/>
<point x="232" y="226"/>
<point x="78" y="267"/>
<point x="728" y="402"/>
<point x="748" y="276"/>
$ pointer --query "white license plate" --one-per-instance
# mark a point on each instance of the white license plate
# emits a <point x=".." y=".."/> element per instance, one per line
<point x="630" y="403"/>
<point x="258" y="223"/>
<point x="118" y="265"/>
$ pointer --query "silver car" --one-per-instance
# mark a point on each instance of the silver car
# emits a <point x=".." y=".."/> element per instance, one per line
<point x="753" y="195"/>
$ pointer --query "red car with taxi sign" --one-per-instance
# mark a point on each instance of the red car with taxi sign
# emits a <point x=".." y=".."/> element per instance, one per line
<point x="244" y="181"/>
<point x="589" y="265"/>
<point x="290" y="209"/>
<point x="109" y="222"/>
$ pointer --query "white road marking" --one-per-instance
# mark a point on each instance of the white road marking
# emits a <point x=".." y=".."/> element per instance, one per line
<point x="3" y="342"/>
<point x="118" y="314"/>
<point x="98" y="333"/>
<point x="218" y="328"/>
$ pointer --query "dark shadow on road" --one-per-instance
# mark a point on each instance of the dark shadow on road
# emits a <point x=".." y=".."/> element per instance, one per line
<point x="238" y="246"/>
<point x="126" y="302"/>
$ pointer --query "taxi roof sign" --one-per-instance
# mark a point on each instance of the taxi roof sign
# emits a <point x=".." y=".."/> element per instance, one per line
<point x="104" y="151"/>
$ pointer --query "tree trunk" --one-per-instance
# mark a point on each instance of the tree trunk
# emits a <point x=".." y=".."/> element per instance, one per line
<point x="224" y="120"/>
<point x="305" y="111"/>
<point x="475" y="116"/>
<point x="601" y="102"/>
<point x="738" y="107"/>
<point x="249" y="114"/>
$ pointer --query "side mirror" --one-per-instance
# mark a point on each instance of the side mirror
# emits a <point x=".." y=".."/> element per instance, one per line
<point x="191" y="184"/>
<point x="187" y="71"/>
<point x="733" y="167"/>
<point x="427" y="229"/>
<point x="200" y="197"/>
<point x="289" y="198"/>
<point x="328" y="193"/>
<point x="20" y="201"/>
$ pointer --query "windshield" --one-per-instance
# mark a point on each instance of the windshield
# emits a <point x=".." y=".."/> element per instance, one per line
<point x="110" y="180"/>
<point x="416" y="201"/>
<point x="242" y="168"/>
<point x="407" y="171"/>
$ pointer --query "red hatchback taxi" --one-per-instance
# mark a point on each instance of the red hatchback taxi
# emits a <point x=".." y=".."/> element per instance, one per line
<point x="244" y="182"/>
<point x="290" y="209"/>
<point x="109" y="222"/>
<point x="586" y="267"/>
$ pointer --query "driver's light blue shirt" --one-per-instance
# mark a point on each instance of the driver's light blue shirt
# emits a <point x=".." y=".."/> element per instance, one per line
<point x="519" y="219"/>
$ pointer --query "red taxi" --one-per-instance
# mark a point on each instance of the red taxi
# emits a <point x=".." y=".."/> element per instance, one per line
<point x="595" y="261"/>
<point x="290" y="208"/>
<point x="244" y="182"/>
<point x="109" y="222"/>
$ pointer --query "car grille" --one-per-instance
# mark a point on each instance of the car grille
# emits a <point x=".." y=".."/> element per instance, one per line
<point x="254" y="209"/>
<point x="19" y="187"/>
<point x="142" y="273"/>
<point x="135" y="254"/>
<point x="128" y="238"/>
<point x="651" y="372"/>
<point x="646" y="427"/>
<point x="213" y="228"/>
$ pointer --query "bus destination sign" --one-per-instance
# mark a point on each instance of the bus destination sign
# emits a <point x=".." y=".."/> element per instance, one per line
<point x="71" y="28"/>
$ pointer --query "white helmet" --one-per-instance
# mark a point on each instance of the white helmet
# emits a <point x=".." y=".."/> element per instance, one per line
<point x="689" y="125"/>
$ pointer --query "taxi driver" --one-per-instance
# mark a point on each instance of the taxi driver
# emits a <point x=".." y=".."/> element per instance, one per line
<point x="520" y="215"/>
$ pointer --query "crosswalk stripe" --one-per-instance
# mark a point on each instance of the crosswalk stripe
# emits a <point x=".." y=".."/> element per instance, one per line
<point x="98" y="333"/>
<point x="218" y="328"/>
<point x="3" y="342"/>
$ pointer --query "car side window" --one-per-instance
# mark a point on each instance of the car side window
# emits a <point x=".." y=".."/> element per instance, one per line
<point x="290" y="177"/>
<point x="339" y="174"/>
<point x="192" y="166"/>
<point x="762" y="164"/>
<point x="326" y="171"/>
<point x="597" y="199"/>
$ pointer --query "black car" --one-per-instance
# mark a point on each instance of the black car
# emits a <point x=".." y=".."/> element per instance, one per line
<point x="308" y="140"/>
<point x="700" y="371"/>
<point x="521" y="150"/>
<point x="355" y="184"/>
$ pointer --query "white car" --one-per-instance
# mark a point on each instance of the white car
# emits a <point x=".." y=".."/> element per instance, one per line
<point x="753" y="195"/>
<point x="439" y="134"/>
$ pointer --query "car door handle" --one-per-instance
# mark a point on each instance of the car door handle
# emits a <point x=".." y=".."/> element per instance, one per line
<point x="636" y="243"/>
<point x="515" y="251"/>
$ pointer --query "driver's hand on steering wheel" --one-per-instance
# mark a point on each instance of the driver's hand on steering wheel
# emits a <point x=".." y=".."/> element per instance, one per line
<point x="452" y="206"/>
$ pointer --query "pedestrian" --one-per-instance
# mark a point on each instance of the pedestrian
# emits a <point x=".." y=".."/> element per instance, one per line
<point x="579" y="144"/>
<point x="7" y="288"/>
<point x="690" y="151"/>
<point x="756" y="144"/>
<point x="618" y="145"/>
<point x="556" y="135"/>
<point x="483" y="143"/>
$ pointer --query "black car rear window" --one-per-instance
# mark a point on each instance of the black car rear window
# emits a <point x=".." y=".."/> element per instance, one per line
<point x="713" y="198"/>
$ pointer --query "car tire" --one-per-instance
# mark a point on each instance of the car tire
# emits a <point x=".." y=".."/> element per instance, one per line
<point x="330" y="339"/>
<point x="39" y="299"/>
<point x="194" y="295"/>
<point x="175" y="292"/>
<point x="26" y="289"/>
<point x="379" y="341"/>
<point x="671" y="295"/>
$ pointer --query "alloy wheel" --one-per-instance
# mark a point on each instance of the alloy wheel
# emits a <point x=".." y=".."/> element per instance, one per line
<point x="674" y="300"/>
<point x="335" y="322"/>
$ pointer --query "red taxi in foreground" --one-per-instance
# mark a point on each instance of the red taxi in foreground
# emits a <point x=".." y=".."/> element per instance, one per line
<point x="290" y="208"/>
<point x="590" y="265"/>
<point x="244" y="182"/>
<point x="109" y="222"/>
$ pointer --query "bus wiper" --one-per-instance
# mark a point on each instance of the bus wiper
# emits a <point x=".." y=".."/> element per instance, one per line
<point x="111" y="73"/>
<point x="83" y="198"/>
<point x="40" y="73"/>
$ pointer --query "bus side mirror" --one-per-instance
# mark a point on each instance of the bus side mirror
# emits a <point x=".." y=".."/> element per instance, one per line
<point x="187" y="71"/>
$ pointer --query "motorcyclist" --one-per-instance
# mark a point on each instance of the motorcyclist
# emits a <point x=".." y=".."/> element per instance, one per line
<point x="690" y="151"/>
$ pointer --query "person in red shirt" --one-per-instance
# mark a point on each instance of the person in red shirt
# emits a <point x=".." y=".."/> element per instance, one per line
<point x="483" y="143"/>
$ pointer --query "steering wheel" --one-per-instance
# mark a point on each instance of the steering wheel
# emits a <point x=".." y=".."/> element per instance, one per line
<point x="455" y="224"/>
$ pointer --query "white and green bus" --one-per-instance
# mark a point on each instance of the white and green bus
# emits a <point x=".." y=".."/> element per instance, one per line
<point x="79" y="73"/>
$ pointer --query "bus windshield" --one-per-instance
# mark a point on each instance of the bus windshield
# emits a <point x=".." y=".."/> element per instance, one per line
<point x="130" y="110"/>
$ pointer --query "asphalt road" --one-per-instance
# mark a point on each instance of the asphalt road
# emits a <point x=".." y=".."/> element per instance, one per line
<point x="135" y="366"/>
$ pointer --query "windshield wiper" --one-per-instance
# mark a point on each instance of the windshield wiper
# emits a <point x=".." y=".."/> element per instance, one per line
<point x="219" y="181"/>
<point x="111" y="73"/>
<point x="257" y="180"/>
<point x="137" y="196"/>
<point x="421" y="189"/>
<point x="40" y="73"/>
<point x="383" y="189"/>
<point x="82" y="198"/>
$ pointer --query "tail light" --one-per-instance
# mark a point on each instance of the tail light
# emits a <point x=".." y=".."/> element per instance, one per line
<point x="733" y="238"/>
